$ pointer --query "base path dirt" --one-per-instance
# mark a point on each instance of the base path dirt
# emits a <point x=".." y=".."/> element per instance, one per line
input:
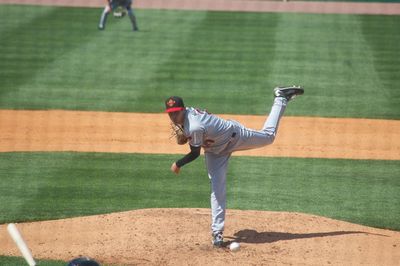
<point x="180" y="237"/>
<point x="304" y="137"/>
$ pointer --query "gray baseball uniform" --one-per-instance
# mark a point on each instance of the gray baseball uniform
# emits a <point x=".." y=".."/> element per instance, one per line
<point x="219" y="138"/>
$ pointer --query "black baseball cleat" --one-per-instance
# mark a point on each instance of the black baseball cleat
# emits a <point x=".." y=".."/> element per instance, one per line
<point x="288" y="92"/>
<point x="217" y="239"/>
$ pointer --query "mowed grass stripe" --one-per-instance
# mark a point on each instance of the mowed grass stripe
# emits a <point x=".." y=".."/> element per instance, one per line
<point x="42" y="186"/>
<point x="18" y="261"/>
<point x="55" y="58"/>
<point x="327" y="61"/>
<point x="32" y="42"/>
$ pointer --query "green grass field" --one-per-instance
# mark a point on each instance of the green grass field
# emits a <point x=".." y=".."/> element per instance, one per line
<point x="55" y="58"/>
<point x="227" y="62"/>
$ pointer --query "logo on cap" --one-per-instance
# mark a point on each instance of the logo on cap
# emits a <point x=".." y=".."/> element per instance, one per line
<point x="174" y="104"/>
<point x="171" y="102"/>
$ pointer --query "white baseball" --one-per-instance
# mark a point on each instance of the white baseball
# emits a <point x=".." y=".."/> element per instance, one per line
<point x="234" y="246"/>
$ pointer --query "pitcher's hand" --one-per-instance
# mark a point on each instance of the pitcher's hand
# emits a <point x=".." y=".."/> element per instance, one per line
<point x="175" y="168"/>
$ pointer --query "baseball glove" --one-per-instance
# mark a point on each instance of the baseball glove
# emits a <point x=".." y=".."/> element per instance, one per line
<point x="177" y="132"/>
<point x="119" y="12"/>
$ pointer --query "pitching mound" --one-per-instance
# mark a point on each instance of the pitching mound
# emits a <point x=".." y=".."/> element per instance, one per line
<point x="182" y="237"/>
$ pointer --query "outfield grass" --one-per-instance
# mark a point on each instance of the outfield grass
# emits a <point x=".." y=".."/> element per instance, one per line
<point x="43" y="186"/>
<point x="227" y="62"/>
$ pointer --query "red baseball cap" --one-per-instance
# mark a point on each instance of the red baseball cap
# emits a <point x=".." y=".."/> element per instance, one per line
<point x="174" y="104"/>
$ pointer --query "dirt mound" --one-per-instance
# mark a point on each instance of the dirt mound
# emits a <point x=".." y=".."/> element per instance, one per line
<point x="181" y="237"/>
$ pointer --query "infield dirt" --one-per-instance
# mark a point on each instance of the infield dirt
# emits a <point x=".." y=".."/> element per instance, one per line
<point x="181" y="236"/>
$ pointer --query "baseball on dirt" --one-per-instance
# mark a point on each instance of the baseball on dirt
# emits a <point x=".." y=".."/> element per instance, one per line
<point x="234" y="246"/>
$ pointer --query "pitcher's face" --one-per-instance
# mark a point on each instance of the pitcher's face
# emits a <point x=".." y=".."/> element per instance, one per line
<point x="177" y="117"/>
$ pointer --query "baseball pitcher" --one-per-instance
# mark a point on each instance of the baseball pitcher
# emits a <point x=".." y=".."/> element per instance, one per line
<point x="219" y="138"/>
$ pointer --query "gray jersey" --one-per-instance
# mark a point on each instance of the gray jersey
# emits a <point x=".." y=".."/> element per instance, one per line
<point x="207" y="130"/>
<point x="220" y="138"/>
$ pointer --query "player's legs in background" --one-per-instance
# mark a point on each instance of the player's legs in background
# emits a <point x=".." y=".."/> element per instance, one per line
<point x="217" y="167"/>
<point x="132" y="16"/>
<point x="103" y="18"/>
